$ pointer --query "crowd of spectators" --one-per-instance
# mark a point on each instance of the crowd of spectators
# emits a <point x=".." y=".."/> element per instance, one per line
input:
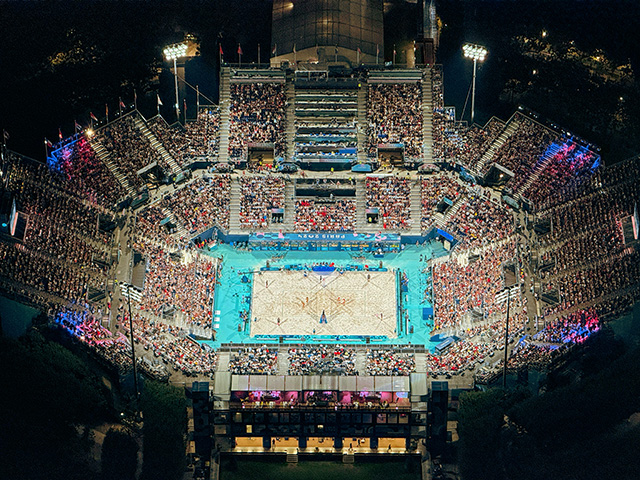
<point x="438" y="120"/>
<point x="172" y="345"/>
<point x="312" y="216"/>
<point x="475" y="141"/>
<point x="434" y="190"/>
<point x="254" y="361"/>
<point x="392" y="197"/>
<point x="199" y="139"/>
<point x="480" y="220"/>
<point x="613" y="274"/>
<point x="394" y="112"/>
<point x="459" y="288"/>
<point x="575" y="327"/>
<point x="258" y="196"/>
<point x="202" y="203"/>
<point x="183" y="286"/>
<point x="525" y="146"/>
<point x="388" y="362"/>
<point x="329" y="359"/>
<point x="566" y="168"/>
<point x="130" y="148"/>
<point x="86" y="328"/>
<point x="62" y="249"/>
<point x="604" y="240"/>
<point x="79" y="164"/>
<point x="256" y="115"/>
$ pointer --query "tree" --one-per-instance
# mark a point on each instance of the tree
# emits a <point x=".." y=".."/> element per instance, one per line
<point x="119" y="455"/>
<point x="165" y="422"/>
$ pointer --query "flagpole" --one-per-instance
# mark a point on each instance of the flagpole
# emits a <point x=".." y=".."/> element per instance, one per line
<point x="197" y="99"/>
<point x="258" y="54"/>
<point x="377" y="52"/>
<point x="46" y="150"/>
<point x="119" y="106"/>
<point x="135" y="99"/>
<point x="106" y="111"/>
<point x="358" y="55"/>
<point x="394" y="54"/>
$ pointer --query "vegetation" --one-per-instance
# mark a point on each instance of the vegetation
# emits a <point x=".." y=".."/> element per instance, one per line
<point x="119" y="455"/>
<point x="164" y="408"/>
<point x="49" y="400"/>
<point x="586" y="427"/>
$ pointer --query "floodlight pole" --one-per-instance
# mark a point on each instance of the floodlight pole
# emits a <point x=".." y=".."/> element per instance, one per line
<point x="175" y="77"/>
<point x="473" y="90"/>
<point x="506" y="340"/>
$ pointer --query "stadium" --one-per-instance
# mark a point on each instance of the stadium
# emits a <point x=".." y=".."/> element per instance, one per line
<point x="327" y="255"/>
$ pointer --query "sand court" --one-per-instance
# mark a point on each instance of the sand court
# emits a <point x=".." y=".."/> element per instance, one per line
<point x="292" y="302"/>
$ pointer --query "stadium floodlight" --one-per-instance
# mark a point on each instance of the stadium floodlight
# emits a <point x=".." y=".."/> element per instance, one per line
<point x="173" y="52"/>
<point x="477" y="53"/>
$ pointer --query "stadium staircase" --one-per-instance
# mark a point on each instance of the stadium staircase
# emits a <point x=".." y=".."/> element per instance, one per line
<point x="225" y="93"/>
<point x="362" y="123"/>
<point x="361" y="207"/>
<point x="288" y="223"/>
<point x="107" y="159"/>
<point x="234" y="205"/>
<point x="283" y="361"/>
<point x="156" y="144"/>
<point x="421" y="363"/>
<point x="427" y="118"/>
<point x="180" y="230"/>
<point x="497" y="143"/>
<point x="223" y="361"/>
<point x="361" y="362"/>
<point x="454" y="209"/>
<point x="415" y="199"/>
<point x="290" y="123"/>
<point x="538" y="169"/>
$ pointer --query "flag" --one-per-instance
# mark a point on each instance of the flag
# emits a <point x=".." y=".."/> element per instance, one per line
<point x="336" y="49"/>
<point x="5" y="135"/>
<point x="377" y="49"/>
<point x="77" y="126"/>
<point x="359" y="51"/>
<point x="106" y="110"/>
<point x="239" y="50"/>
<point x="184" y="104"/>
<point x="60" y="134"/>
<point x="159" y="101"/>
<point x="294" y="48"/>
<point x="122" y="105"/>
<point x="221" y="52"/>
<point x="93" y="117"/>
<point x="274" y="50"/>
<point x="48" y="143"/>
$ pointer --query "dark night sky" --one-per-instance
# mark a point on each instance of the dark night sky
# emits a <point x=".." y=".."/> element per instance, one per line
<point x="109" y="48"/>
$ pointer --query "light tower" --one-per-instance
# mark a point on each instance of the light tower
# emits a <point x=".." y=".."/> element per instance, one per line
<point x="173" y="52"/>
<point x="475" y="53"/>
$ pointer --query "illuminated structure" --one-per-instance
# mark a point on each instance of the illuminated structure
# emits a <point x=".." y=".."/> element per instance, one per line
<point x="475" y="53"/>
<point x="320" y="31"/>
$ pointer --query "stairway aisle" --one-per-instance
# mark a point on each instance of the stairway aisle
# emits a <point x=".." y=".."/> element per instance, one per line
<point x="225" y="90"/>
<point x="362" y="123"/>
<point x="234" y="205"/>
<point x="156" y="144"/>
<point x="107" y="159"/>
<point x="290" y="122"/>
<point x="415" y="198"/>
<point x="427" y="117"/>
<point x="289" y="207"/>
<point x="223" y="362"/>
<point x="361" y="206"/>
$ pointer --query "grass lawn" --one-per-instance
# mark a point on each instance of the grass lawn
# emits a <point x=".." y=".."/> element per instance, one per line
<point x="321" y="470"/>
